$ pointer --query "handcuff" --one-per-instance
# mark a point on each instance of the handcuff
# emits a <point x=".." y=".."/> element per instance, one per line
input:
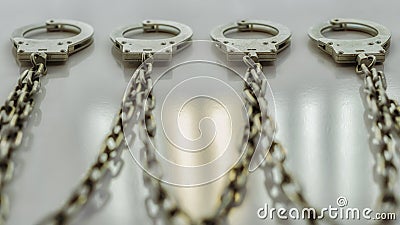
<point x="16" y="110"/>
<point x="263" y="49"/>
<point x="56" y="50"/>
<point x="160" y="49"/>
<point x="384" y="113"/>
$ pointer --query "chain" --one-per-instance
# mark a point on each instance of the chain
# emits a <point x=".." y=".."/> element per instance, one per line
<point x="140" y="96"/>
<point x="143" y="99"/>
<point x="282" y="187"/>
<point x="108" y="162"/>
<point x="384" y="118"/>
<point x="160" y="205"/>
<point x="13" y="116"/>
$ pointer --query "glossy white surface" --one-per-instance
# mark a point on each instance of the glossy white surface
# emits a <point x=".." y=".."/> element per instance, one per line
<point x="320" y="114"/>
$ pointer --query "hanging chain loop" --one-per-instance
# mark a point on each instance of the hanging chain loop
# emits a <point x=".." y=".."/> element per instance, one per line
<point x="14" y="114"/>
<point x="108" y="162"/>
<point x="384" y="118"/>
<point x="161" y="206"/>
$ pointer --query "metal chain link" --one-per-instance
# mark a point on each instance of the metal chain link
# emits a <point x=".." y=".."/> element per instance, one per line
<point x="160" y="206"/>
<point x="111" y="150"/>
<point x="108" y="162"/>
<point x="384" y="118"/>
<point x="282" y="187"/>
<point x="14" y="114"/>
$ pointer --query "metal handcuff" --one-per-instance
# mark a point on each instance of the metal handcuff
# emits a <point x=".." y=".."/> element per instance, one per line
<point x="260" y="49"/>
<point x="16" y="110"/>
<point x="384" y="113"/>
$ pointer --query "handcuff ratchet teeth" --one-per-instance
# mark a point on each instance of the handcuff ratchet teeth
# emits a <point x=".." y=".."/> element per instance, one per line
<point x="263" y="49"/>
<point x="160" y="49"/>
<point x="346" y="51"/>
<point x="56" y="50"/>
